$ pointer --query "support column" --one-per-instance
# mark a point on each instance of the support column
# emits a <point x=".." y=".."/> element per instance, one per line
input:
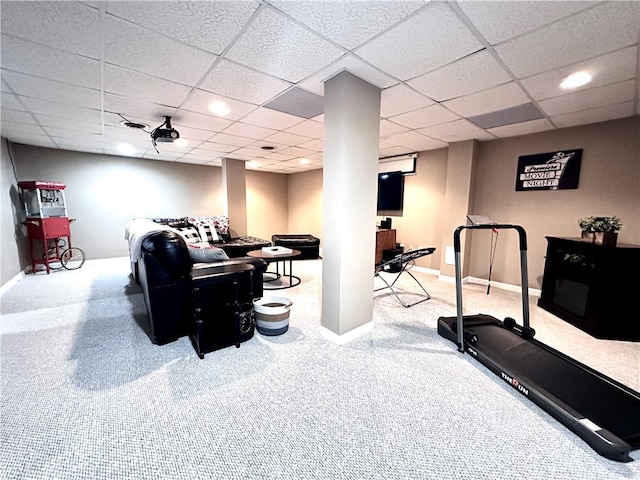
<point x="458" y="197"/>
<point x="350" y="172"/>
<point x="234" y="195"/>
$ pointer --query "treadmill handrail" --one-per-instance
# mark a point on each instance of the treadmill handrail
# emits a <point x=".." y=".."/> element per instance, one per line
<point x="524" y="275"/>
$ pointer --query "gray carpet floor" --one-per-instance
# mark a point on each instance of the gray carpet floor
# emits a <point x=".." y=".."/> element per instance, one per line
<point x="86" y="395"/>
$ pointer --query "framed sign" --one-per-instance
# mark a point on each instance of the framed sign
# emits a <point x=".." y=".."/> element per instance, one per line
<point x="549" y="171"/>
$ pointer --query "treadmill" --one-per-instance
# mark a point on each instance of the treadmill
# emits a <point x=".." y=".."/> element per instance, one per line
<point x="597" y="408"/>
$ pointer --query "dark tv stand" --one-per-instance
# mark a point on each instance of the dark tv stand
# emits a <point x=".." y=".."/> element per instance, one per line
<point x="588" y="285"/>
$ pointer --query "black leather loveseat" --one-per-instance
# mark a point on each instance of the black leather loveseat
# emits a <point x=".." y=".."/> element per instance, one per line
<point x="171" y="282"/>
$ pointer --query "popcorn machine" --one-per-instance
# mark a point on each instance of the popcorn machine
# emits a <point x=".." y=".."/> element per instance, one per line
<point x="47" y="222"/>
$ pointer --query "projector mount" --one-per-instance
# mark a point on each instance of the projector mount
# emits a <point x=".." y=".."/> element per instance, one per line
<point x="162" y="133"/>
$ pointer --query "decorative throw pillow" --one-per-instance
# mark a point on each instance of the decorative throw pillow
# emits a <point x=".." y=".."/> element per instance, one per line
<point x="221" y="223"/>
<point x="208" y="233"/>
<point x="207" y="254"/>
<point x="190" y="235"/>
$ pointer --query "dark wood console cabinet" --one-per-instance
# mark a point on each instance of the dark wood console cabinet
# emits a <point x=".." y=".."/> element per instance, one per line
<point x="594" y="287"/>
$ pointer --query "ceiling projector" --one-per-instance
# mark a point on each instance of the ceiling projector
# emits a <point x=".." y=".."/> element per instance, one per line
<point x="165" y="132"/>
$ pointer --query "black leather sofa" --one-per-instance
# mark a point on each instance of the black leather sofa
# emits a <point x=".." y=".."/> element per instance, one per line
<point x="169" y="281"/>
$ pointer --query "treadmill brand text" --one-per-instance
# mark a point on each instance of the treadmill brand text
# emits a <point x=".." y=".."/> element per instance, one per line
<point x="514" y="383"/>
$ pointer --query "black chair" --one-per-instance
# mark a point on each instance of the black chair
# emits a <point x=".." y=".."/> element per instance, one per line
<point x="398" y="265"/>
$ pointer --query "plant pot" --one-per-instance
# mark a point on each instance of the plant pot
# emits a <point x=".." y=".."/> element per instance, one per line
<point x="606" y="238"/>
<point x="589" y="236"/>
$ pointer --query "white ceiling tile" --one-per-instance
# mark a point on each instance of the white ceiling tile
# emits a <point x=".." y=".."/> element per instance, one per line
<point x="286" y="138"/>
<point x="199" y="101"/>
<point x="591" y="98"/>
<point x="139" y="49"/>
<point x="10" y="127"/>
<point x="453" y="131"/>
<point x="596" y="31"/>
<point x="499" y="21"/>
<point x="280" y="47"/>
<point x="348" y="23"/>
<point x="611" y="68"/>
<point x="491" y="100"/>
<point x="275" y="157"/>
<point x="388" y="128"/>
<point x="17" y="116"/>
<point x="524" y="128"/>
<point x="433" y="37"/>
<point x="191" y="134"/>
<point x="143" y="87"/>
<point x="234" y="140"/>
<point x="239" y="82"/>
<point x="250" y="131"/>
<point x="351" y="63"/>
<point x="266" y="117"/>
<point x="467" y="75"/>
<point x="208" y="25"/>
<point x="29" y="86"/>
<point x="130" y="107"/>
<point x="425" y="117"/>
<point x="69" y="139"/>
<point x="42" y="61"/>
<point x="79" y="147"/>
<point x="199" y="120"/>
<point x="401" y="99"/>
<point x="68" y="124"/>
<point x="315" y="144"/>
<point x="11" y="102"/>
<point x="37" y="138"/>
<point x="46" y="107"/>
<point x="416" y="141"/>
<point x="308" y="128"/>
<point x="297" y="152"/>
<point x="601" y="114"/>
<point x="70" y="26"/>
<point x="217" y="147"/>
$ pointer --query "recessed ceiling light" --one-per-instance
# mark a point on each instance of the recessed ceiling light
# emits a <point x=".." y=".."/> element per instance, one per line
<point x="304" y="161"/>
<point x="181" y="142"/>
<point x="252" y="164"/>
<point x="576" y="80"/>
<point x="218" y="107"/>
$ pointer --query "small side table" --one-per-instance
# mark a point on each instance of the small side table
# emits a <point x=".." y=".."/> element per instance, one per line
<point x="276" y="257"/>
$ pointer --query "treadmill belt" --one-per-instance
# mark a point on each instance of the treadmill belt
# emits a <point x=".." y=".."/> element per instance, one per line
<point x="600" y="401"/>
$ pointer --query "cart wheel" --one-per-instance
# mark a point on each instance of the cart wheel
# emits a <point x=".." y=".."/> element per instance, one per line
<point x="509" y="323"/>
<point x="528" y="332"/>
<point x="72" y="258"/>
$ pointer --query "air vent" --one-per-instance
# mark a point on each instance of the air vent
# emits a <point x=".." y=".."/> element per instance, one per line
<point x="134" y="125"/>
<point x="268" y="147"/>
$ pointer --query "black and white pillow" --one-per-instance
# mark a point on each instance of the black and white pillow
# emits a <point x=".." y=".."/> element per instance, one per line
<point x="207" y="233"/>
<point x="190" y="235"/>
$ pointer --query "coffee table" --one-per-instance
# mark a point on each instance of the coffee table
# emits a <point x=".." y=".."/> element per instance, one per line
<point x="276" y="256"/>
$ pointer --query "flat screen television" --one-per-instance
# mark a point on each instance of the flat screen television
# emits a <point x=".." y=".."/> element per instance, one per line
<point x="390" y="191"/>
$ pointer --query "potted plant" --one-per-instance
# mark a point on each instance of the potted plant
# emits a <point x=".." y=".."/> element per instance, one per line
<point x="599" y="229"/>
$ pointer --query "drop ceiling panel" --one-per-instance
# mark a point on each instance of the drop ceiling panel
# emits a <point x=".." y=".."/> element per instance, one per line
<point x="596" y="31"/>
<point x="265" y="117"/>
<point x="29" y="86"/>
<point x="524" y="128"/>
<point x="425" y="117"/>
<point x="136" y="48"/>
<point x="42" y="61"/>
<point x="499" y="21"/>
<point x="469" y="75"/>
<point x="348" y="23"/>
<point x="139" y="86"/>
<point x="46" y="107"/>
<point x="351" y="63"/>
<point x="601" y="114"/>
<point x="217" y="147"/>
<point x="315" y="144"/>
<point x="11" y="102"/>
<point x="591" y="98"/>
<point x="388" y="128"/>
<point x="415" y="141"/>
<point x="199" y="120"/>
<point x="282" y="48"/>
<point x="308" y="128"/>
<point x="491" y="100"/>
<point x="431" y="38"/>
<point x="207" y="25"/>
<point x="248" y="131"/>
<point x="239" y="82"/>
<point x="199" y="101"/>
<point x="135" y="108"/>
<point x="401" y="99"/>
<point x="233" y="140"/>
<point x="70" y="26"/>
<point x="68" y="124"/>
<point x="286" y="138"/>
<point x="453" y="131"/>
<point x="606" y="69"/>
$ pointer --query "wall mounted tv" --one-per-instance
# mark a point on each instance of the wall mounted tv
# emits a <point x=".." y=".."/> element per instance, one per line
<point x="390" y="191"/>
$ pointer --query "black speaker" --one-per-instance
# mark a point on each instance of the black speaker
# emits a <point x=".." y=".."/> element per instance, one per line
<point x="385" y="223"/>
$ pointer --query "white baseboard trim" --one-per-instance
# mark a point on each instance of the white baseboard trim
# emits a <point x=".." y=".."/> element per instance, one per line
<point x="534" y="292"/>
<point x="346" y="337"/>
<point x="12" y="282"/>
